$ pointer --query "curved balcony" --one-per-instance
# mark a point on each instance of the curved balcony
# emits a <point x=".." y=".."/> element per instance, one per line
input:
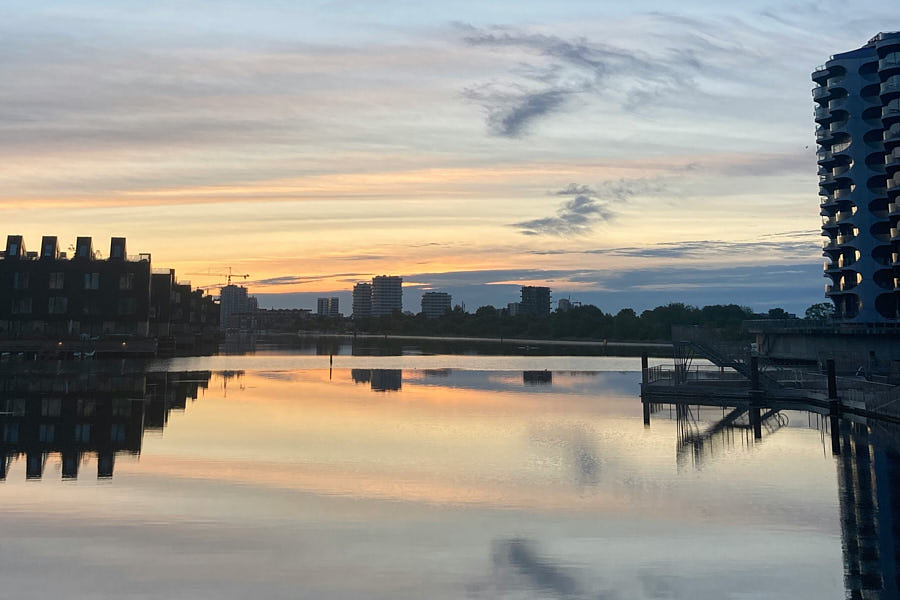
<point x="892" y="159"/>
<point x="820" y="94"/>
<point x="820" y="74"/>
<point x="892" y="136"/>
<point x="889" y="88"/>
<point x="838" y="104"/>
<point x="893" y="185"/>
<point x="895" y="234"/>
<point x="825" y="157"/>
<point x="829" y="222"/>
<point x="846" y="239"/>
<point x="822" y="114"/>
<point x="890" y="113"/>
<point x="830" y="244"/>
<point x="889" y="62"/>
<point x="843" y="216"/>
<point x="831" y="267"/>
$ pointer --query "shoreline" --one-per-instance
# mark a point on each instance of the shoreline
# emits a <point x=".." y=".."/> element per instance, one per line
<point x="495" y="340"/>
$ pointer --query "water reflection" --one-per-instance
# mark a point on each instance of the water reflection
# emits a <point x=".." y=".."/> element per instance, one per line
<point x="867" y="456"/>
<point x="380" y="380"/>
<point x="869" y="479"/>
<point x="75" y="413"/>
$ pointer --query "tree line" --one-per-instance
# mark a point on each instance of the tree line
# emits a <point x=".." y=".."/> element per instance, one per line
<point x="578" y="323"/>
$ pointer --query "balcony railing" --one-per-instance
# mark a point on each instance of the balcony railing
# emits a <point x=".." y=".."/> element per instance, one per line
<point x="843" y="216"/>
<point x="822" y="112"/>
<point x="890" y="86"/>
<point x="829" y="244"/>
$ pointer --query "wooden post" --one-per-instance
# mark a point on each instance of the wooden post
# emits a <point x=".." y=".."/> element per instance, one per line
<point x="835" y="424"/>
<point x="756" y="422"/>
<point x="834" y="403"/>
<point x="645" y="369"/>
<point x="754" y="372"/>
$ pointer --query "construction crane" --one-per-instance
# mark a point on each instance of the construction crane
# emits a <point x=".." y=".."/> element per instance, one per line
<point x="228" y="275"/>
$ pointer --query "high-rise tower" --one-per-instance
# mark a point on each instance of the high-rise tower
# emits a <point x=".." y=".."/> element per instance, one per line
<point x="858" y="134"/>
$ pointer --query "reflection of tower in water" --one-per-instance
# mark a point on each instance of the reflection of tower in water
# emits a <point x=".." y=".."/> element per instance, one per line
<point x="380" y="380"/>
<point x="869" y="488"/>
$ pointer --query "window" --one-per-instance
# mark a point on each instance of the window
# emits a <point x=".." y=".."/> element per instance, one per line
<point x="82" y="432"/>
<point x="51" y="407"/>
<point x="13" y="249"/>
<point x="57" y="280"/>
<point x="46" y="433"/>
<point x="127" y="306"/>
<point x="20" y="281"/>
<point x="11" y="433"/>
<point x="86" y="407"/>
<point x="92" y="281"/>
<point x="117" y="433"/>
<point x="58" y="305"/>
<point x="121" y="407"/>
<point x="21" y="306"/>
<point x="126" y="281"/>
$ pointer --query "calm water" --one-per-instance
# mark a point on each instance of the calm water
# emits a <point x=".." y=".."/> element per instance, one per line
<point x="273" y="476"/>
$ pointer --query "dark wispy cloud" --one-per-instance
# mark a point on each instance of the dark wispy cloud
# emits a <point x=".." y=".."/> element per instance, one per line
<point x="587" y="207"/>
<point x="800" y="243"/>
<point x="567" y="68"/>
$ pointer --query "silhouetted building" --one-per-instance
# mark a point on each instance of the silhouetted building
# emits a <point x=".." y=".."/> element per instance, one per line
<point x="535" y="300"/>
<point x="387" y="295"/>
<point x="362" y="300"/>
<point x="514" y="309"/>
<point x="48" y="295"/>
<point x="858" y="135"/>
<point x="435" y="304"/>
<point x="328" y="307"/>
<point x="233" y="300"/>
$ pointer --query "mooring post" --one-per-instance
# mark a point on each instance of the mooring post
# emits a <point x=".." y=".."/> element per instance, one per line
<point x="834" y="403"/>
<point x="754" y="373"/>
<point x="756" y="421"/>
<point x="645" y="379"/>
<point x="835" y="424"/>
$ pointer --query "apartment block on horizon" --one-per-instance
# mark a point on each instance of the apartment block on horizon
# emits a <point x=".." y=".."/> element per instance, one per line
<point x="436" y="304"/>
<point x="535" y="301"/>
<point x="328" y="307"/>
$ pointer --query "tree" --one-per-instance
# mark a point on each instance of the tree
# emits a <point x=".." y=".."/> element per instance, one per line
<point x="820" y="312"/>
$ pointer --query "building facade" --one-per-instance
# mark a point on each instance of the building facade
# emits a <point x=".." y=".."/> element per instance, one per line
<point x="387" y="295"/>
<point x="857" y="119"/>
<point x="535" y="301"/>
<point x="233" y="301"/>
<point x="328" y="307"/>
<point x="362" y="300"/>
<point x="435" y="304"/>
<point x="48" y="294"/>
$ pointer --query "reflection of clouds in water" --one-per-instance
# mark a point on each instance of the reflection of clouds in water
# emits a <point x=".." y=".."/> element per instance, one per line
<point x="579" y="452"/>
<point x="518" y="564"/>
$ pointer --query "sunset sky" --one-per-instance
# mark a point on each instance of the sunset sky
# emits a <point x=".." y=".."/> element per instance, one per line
<point x="626" y="154"/>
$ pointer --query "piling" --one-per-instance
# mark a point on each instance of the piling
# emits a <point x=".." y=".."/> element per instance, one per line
<point x="834" y="403"/>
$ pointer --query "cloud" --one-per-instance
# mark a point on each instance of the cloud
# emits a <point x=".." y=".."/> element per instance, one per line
<point x="588" y="207"/>
<point x="567" y="68"/>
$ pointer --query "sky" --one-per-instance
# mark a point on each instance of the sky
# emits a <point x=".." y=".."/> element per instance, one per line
<point x="624" y="154"/>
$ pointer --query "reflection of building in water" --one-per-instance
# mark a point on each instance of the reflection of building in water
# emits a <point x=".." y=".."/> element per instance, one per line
<point x="80" y="413"/>
<point x="381" y="380"/>
<point x="869" y="482"/>
<point x="537" y="377"/>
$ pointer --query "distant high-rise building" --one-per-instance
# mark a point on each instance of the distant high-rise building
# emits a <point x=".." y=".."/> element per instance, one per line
<point x="435" y="304"/>
<point x="233" y="300"/>
<point x="564" y="305"/>
<point x="514" y="309"/>
<point x="535" y="300"/>
<point x="387" y="295"/>
<point x="858" y="134"/>
<point x="362" y="300"/>
<point x="328" y="307"/>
